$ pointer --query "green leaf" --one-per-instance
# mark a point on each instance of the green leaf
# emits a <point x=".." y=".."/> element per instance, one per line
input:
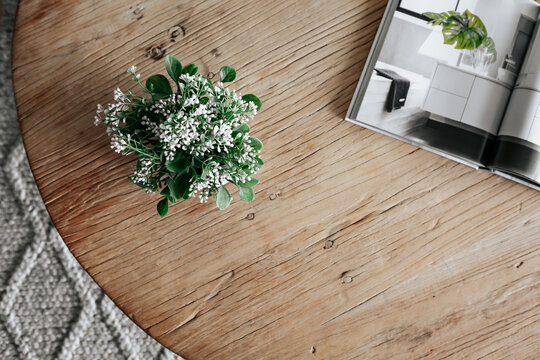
<point x="255" y="143"/>
<point x="223" y="198"/>
<point x="490" y="44"/>
<point x="190" y="69"/>
<point x="174" y="67"/>
<point x="249" y="183"/>
<point x="159" y="85"/>
<point x="436" y="18"/>
<point x="259" y="161"/>
<point x="205" y="171"/>
<point x="244" y="129"/>
<point x="166" y="191"/>
<point x="252" y="98"/>
<point x="163" y="207"/>
<point x="178" y="164"/>
<point x="180" y="186"/>
<point x="227" y="74"/>
<point x="247" y="170"/>
<point x="246" y="194"/>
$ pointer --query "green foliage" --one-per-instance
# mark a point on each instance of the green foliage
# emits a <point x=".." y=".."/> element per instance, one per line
<point x="227" y="74"/>
<point x="179" y="164"/>
<point x="246" y="194"/>
<point x="253" y="99"/>
<point x="159" y="86"/>
<point x="242" y="129"/>
<point x="173" y="67"/>
<point x="255" y="143"/>
<point x="490" y="44"/>
<point x="465" y="31"/>
<point x="249" y="183"/>
<point x="191" y="69"/>
<point x="180" y="186"/>
<point x="223" y="198"/>
<point x="163" y="207"/>
<point x="190" y="142"/>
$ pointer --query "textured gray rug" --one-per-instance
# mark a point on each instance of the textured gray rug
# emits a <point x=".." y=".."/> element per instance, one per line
<point x="49" y="307"/>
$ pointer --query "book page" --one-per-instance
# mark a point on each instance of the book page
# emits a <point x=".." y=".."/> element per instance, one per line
<point x="518" y="144"/>
<point x="419" y="88"/>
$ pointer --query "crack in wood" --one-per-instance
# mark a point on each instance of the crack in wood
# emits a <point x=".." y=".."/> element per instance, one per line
<point x="356" y="306"/>
<point x="215" y="291"/>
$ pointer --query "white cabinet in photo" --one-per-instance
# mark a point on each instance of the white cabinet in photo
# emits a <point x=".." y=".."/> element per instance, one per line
<point x="460" y="95"/>
<point x="534" y="134"/>
<point x="486" y="105"/>
<point x="452" y="80"/>
<point x="445" y="104"/>
<point x="521" y="119"/>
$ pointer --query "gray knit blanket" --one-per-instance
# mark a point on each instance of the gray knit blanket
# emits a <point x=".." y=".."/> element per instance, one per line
<point x="49" y="307"/>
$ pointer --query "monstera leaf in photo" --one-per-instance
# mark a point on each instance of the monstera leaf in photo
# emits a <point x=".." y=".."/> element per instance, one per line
<point x="464" y="30"/>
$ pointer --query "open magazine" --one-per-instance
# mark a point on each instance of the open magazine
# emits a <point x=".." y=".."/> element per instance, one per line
<point x="460" y="78"/>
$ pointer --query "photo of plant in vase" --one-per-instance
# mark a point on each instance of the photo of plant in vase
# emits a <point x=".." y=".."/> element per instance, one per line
<point x="444" y="73"/>
<point x="466" y="32"/>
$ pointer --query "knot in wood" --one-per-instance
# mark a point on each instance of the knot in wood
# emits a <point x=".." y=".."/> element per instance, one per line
<point x="137" y="12"/>
<point x="250" y="216"/>
<point x="328" y="244"/>
<point x="275" y="195"/>
<point x="156" y="52"/>
<point x="175" y="31"/>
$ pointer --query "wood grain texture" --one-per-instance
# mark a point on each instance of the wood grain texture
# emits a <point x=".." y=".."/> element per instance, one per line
<point x="357" y="246"/>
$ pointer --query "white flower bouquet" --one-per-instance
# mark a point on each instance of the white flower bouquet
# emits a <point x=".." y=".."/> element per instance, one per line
<point x="190" y="142"/>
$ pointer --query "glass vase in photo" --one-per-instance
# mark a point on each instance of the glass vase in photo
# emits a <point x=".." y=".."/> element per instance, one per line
<point x="477" y="60"/>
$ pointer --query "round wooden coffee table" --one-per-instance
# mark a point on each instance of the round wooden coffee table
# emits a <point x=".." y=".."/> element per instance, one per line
<point x="357" y="246"/>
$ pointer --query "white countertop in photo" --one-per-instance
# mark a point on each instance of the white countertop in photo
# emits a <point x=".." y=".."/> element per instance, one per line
<point x="482" y="76"/>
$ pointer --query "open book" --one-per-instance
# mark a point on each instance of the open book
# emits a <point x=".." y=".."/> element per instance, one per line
<point x="460" y="78"/>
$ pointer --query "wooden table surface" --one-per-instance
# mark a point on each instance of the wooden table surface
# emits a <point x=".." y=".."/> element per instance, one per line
<point x="357" y="246"/>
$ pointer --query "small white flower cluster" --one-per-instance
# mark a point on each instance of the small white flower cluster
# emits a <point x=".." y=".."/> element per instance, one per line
<point x="201" y="121"/>
<point x="112" y="114"/>
<point x="132" y="70"/>
<point x="120" y="144"/>
<point x="141" y="174"/>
